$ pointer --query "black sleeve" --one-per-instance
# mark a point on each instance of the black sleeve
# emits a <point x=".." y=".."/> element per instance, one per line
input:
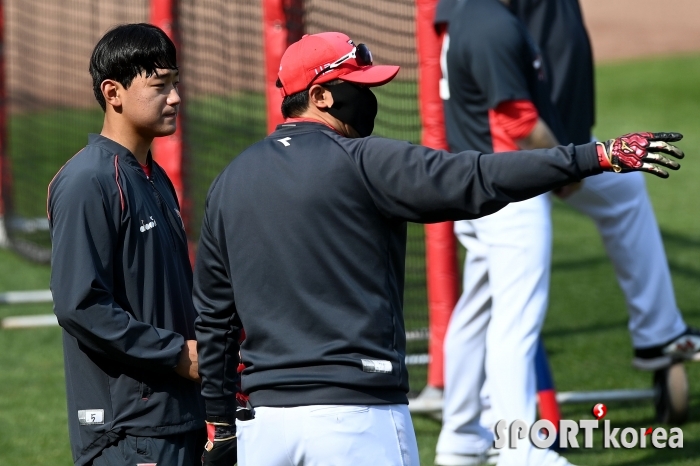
<point x="84" y="218"/>
<point x="218" y="327"/>
<point x="499" y="64"/>
<point x="423" y="185"/>
<point x="443" y="12"/>
<point x="523" y="9"/>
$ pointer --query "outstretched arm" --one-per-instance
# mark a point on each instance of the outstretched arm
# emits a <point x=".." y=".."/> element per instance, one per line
<point x="418" y="184"/>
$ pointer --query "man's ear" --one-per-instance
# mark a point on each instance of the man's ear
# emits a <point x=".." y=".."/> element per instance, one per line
<point x="320" y="97"/>
<point x="111" y="93"/>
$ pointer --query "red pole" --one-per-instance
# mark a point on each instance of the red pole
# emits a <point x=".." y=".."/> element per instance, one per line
<point x="442" y="273"/>
<point x="274" y="43"/>
<point x="283" y="24"/>
<point x="168" y="150"/>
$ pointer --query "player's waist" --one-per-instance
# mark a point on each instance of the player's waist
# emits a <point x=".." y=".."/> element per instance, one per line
<point x="320" y="394"/>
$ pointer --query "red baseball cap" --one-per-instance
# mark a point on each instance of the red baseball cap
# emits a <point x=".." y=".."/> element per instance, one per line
<point x="319" y="58"/>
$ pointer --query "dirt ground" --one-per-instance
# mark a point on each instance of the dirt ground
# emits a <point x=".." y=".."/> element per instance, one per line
<point x="622" y="29"/>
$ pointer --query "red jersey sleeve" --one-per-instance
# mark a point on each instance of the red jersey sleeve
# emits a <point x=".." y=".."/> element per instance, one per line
<point x="509" y="121"/>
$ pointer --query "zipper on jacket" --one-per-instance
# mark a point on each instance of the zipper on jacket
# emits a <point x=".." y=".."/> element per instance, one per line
<point x="164" y="209"/>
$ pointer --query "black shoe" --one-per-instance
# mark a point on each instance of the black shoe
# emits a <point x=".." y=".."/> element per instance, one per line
<point x="686" y="346"/>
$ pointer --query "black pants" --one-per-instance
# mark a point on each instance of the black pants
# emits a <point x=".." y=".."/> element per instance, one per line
<point x="174" y="450"/>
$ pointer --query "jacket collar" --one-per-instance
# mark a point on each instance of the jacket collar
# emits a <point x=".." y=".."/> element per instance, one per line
<point x="124" y="154"/>
<point x="305" y="124"/>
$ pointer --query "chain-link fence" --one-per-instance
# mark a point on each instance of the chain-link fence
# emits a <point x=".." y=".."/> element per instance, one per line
<point x="51" y="106"/>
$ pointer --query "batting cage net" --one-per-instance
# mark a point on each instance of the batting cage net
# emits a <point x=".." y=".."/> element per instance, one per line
<point x="222" y="73"/>
<point x="387" y="27"/>
<point x="51" y="106"/>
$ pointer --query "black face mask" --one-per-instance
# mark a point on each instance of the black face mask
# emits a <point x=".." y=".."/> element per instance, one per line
<point x="355" y="106"/>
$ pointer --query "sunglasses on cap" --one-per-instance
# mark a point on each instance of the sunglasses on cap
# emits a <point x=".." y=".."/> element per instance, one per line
<point x="360" y="53"/>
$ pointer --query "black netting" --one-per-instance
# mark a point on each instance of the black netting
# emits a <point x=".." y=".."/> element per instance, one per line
<point x="388" y="29"/>
<point x="51" y="107"/>
<point x="222" y="69"/>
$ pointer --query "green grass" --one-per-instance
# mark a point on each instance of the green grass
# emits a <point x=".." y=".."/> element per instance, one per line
<point x="585" y="332"/>
<point x="33" y="424"/>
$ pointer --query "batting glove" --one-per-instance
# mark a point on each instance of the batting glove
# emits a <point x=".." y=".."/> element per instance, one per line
<point x="640" y="151"/>
<point x="221" y="448"/>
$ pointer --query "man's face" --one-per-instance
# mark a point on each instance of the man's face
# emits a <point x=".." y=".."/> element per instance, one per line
<point x="151" y="103"/>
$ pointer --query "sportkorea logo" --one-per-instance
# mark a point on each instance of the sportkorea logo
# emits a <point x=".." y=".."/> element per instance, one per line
<point x="543" y="433"/>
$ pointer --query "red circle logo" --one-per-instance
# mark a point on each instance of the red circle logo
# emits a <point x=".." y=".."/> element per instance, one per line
<point x="599" y="411"/>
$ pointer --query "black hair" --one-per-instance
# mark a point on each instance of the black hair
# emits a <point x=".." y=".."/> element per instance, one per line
<point x="295" y="104"/>
<point x="128" y="50"/>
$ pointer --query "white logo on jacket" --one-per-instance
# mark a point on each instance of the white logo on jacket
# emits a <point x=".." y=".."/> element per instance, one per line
<point x="147" y="226"/>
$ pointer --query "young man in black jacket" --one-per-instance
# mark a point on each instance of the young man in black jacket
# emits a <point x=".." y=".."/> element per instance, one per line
<point x="303" y="244"/>
<point x="121" y="278"/>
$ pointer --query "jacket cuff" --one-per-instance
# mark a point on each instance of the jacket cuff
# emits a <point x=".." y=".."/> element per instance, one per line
<point x="603" y="157"/>
<point x="587" y="159"/>
<point x="221" y="409"/>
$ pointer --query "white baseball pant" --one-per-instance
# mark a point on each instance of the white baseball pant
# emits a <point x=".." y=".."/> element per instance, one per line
<point x="494" y="329"/>
<point x="621" y="209"/>
<point x="328" y="435"/>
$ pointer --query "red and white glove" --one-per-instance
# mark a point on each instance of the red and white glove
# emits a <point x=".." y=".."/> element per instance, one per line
<point x="640" y="151"/>
<point x="222" y="446"/>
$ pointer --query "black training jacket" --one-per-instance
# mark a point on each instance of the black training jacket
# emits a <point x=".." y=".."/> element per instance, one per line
<point x="121" y="283"/>
<point x="303" y="245"/>
<point x="558" y="28"/>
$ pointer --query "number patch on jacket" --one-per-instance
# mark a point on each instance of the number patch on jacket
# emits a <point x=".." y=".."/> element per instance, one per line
<point x="91" y="416"/>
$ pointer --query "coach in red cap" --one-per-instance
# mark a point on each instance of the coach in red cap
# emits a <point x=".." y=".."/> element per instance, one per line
<point x="348" y="105"/>
<point x="303" y="244"/>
